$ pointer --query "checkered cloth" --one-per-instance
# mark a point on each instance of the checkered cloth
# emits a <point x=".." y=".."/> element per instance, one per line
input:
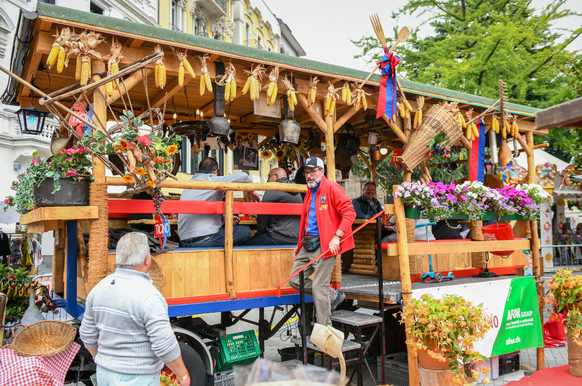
<point x="16" y="370"/>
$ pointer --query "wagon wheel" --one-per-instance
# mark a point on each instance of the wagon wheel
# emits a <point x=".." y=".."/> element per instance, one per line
<point x="438" y="277"/>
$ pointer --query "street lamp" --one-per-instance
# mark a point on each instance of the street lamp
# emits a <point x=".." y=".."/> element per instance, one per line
<point x="31" y="119"/>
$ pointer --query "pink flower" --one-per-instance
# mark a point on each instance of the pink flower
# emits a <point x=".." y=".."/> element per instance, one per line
<point x="7" y="201"/>
<point x="144" y="140"/>
<point x="69" y="159"/>
<point x="71" y="172"/>
<point x="71" y="151"/>
<point x="35" y="161"/>
<point x="63" y="151"/>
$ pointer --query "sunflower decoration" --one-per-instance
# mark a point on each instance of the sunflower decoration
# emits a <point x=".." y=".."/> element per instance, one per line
<point x="150" y="183"/>
<point x="251" y="137"/>
<point x="140" y="172"/>
<point x="128" y="178"/>
<point x="171" y="150"/>
<point x="280" y="154"/>
<point x="266" y="154"/>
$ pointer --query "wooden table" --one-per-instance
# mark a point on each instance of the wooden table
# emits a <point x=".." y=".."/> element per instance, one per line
<point x="147" y="221"/>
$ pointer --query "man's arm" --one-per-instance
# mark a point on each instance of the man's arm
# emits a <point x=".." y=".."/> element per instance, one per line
<point x="177" y="367"/>
<point x="88" y="331"/>
<point x="358" y="210"/>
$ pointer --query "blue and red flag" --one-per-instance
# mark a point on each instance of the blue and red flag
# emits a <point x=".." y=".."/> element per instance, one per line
<point x="388" y="85"/>
<point x="477" y="166"/>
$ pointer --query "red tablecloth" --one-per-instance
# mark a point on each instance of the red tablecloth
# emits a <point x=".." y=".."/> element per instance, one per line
<point x="16" y="370"/>
<point x="550" y="376"/>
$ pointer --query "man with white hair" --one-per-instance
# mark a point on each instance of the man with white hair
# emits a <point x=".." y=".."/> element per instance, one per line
<point x="126" y="327"/>
<point x="327" y="215"/>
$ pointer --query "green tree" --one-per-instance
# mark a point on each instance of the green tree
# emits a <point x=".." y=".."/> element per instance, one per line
<point x="477" y="42"/>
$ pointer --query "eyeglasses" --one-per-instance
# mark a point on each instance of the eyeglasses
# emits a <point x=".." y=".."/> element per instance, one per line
<point x="311" y="173"/>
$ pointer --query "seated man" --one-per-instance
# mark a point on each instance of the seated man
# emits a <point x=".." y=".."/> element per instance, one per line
<point x="367" y="206"/>
<point x="207" y="230"/>
<point x="277" y="229"/>
<point x="143" y="195"/>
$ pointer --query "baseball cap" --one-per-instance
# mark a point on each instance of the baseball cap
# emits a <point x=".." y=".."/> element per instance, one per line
<point x="314" y="162"/>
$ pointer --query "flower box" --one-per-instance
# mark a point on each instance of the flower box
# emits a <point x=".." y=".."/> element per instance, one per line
<point x="414" y="212"/>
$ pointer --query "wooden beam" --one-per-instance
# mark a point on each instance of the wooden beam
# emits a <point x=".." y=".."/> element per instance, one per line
<point x="170" y="89"/>
<point x="228" y="245"/>
<point x="396" y="129"/>
<point x="45" y="25"/>
<point x="129" y="83"/>
<point x="330" y="149"/>
<point x="252" y="118"/>
<point x="134" y="43"/>
<point x="365" y="160"/>
<point x="312" y="113"/>
<point x="340" y="122"/>
<point x="567" y="114"/>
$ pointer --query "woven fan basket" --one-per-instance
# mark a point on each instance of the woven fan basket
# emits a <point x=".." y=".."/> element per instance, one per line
<point x="44" y="338"/>
<point x="436" y="119"/>
<point x="156" y="274"/>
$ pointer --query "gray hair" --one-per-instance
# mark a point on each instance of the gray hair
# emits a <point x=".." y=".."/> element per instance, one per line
<point x="132" y="249"/>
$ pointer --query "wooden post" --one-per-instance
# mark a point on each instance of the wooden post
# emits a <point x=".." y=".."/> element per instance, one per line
<point x="228" y="253"/>
<point x="329" y="149"/>
<point x="58" y="268"/>
<point x="538" y="264"/>
<point x="99" y="228"/>
<point x="3" y="302"/>
<point x="405" y="281"/>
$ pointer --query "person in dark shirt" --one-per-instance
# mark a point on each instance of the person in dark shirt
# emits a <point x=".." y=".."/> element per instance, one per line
<point x="367" y="205"/>
<point x="143" y="195"/>
<point x="238" y="154"/>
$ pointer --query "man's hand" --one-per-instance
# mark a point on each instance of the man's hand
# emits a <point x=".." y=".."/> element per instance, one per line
<point x="334" y="245"/>
<point x="254" y="197"/>
<point x="235" y="220"/>
<point x="389" y="228"/>
<point x="296" y="251"/>
<point x="184" y="382"/>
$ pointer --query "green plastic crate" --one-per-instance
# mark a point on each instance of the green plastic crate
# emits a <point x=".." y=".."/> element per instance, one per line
<point x="237" y="349"/>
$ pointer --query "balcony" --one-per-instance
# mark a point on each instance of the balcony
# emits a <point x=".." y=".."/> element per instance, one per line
<point x="214" y="8"/>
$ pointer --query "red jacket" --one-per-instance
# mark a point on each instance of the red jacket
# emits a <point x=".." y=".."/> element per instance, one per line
<point x="334" y="210"/>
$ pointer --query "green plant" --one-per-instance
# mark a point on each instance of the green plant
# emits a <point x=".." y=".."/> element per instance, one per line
<point x="447" y="329"/>
<point x="16" y="285"/>
<point x="565" y="295"/>
<point x="25" y="183"/>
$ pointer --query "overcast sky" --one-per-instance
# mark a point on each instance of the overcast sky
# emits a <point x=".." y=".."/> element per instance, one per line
<point x="324" y="27"/>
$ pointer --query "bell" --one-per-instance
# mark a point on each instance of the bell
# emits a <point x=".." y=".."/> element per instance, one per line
<point x="375" y="154"/>
<point x="372" y="138"/>
<point x="289" y="131"/>
<point x="219" y="126"/>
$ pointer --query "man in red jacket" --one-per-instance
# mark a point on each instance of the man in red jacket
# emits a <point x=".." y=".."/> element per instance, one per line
<point x="326" y="216"/>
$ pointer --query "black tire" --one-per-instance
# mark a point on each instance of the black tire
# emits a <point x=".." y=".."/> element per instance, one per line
<point x="438" y="277"/>
<point x="194" y="364"/>
<point x="423" y="278"/>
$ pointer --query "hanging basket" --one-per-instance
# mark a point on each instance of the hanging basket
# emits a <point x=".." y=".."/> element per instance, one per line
<point x="44" y="338"/>
<point x="436" y="119"/>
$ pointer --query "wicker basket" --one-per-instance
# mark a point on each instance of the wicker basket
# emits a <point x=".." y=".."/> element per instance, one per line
<point x="44" y="338"/>
<point x="436" y="119"/>
<point x="156" y="274"/>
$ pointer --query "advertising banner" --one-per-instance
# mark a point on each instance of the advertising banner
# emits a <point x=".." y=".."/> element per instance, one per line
<point x="512" y="304"/>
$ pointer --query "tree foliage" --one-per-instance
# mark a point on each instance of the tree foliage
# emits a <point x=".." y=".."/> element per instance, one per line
<point x="477" y="42"/>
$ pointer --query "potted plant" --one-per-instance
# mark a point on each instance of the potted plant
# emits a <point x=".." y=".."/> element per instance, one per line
<point x="565" y="295"/>
<point x="15" y="284"/>
<point x="443" y="332"/>
<point x="25" y="184"/>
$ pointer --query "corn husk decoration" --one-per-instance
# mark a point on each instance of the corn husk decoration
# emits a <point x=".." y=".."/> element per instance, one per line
<point x="291" y="97"/>
<point x="160" y="69"/>
<point x="273" y="90"/>
<point x="61" y="46"/>
<point x="359" y="99"/>
<point x="506" y="127"/>
<point x="113" y="60"/>
<point x="495" y="124"/>
<point x="205" y="82"/>
<point x="418" y="115"/>
<point x="346" y="94"/>
<point x="84" y="45"/>
<point x="253" y="83"/>
<point x="404" y="110"/>
<point x="514" y="128"/>
<point x="459" y="117"/>
<point x="329" y="101"/>
<point x="312" y="94"/>
<point x="472" y="131"/>
<point x="184" y="66"/>
<point x="228" y="82"/>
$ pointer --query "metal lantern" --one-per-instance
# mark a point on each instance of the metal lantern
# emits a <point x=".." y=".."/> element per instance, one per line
<point x="31" y="119"/>
<point x="375" y="155"/>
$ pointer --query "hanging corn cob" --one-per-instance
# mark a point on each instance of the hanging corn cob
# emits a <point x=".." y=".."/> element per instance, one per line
<point x="494" y="124"/>
<point x="346" y="94"/>
<point x="160" y="73"/>
<point x="60" y="48"/>
<point x="459" y="117"/>
<point x="418" y="114"/>
<point x="273" y="89"/>
<point x="205" y="83"/>
<point x="514" y="128"/>
<point x="359" y="98"/>
<point x="184" y="66"/>
<point x="471" y="127"/>
<point x="113" y="60"/>
<point x="506" y="128"/>
<point x="312" y="94"/>
<point x="329" y="101"/>
<point x="84" y="45"/>
<point x="253" y="83"/>
<point x="228" y="82"/>
<point x="290" y="90"/>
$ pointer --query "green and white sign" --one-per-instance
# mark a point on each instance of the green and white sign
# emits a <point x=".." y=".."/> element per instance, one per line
<point x="512" y="304"/>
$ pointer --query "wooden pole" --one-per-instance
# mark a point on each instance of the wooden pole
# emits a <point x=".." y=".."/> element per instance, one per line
<point x="228" y="246"/>
<point x="538" y="265"/>
<point x="315" y="117"/>
<point x="396" y="129"/>
<point x="329" y="149"/>
<point x="224" y="186"/>
<point x="127" y="85"/>
<point x="405" y="281"/>
<point x="341" y="121"/>
<point x="3" y="302"/>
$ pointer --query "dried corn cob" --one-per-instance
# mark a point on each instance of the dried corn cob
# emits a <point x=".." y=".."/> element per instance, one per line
<point x="253" y="83"/>
<point x="312" y="93"/>
<point x="291" y="97"/>
<point x="228" y="82"/>
<point x="358" y="99"/>
<point x="330" y="100"/>
<point x="273" y="78"/>
<point x="418" y="115"/>
<point x="205" y="82"/>
<point x="495" y="124"/>
<point x="113" y="65"/>
<point x="61" y="46"/>
<point x="181" y="74"/>
<point x="78" y="68"/>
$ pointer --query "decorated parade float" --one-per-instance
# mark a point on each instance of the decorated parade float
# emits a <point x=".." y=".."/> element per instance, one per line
<point x="139" y="99"/>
